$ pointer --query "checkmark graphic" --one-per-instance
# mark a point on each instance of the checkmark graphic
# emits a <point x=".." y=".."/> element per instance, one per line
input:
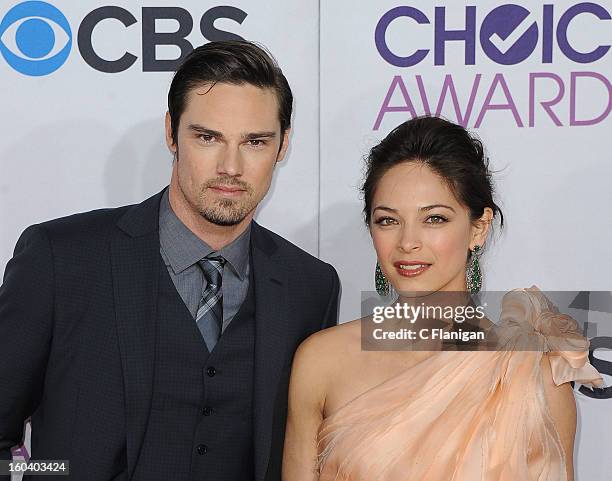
<point x="505" y="44"/>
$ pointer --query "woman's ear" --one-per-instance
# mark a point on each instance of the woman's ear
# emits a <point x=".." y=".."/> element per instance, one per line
<point x="481" y="227"/>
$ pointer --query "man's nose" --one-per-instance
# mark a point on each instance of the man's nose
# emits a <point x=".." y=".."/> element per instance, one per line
<point x="230" y="162"/>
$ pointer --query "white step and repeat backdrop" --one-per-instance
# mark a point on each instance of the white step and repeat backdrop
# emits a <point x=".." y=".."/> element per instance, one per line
<point x="84" y="88"/>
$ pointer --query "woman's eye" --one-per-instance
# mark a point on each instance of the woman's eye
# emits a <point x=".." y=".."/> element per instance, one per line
<point x="385" y="221"/>
<point x="436" y="219"/>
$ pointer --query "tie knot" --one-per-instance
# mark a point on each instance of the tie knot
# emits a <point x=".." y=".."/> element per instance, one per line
<point x="212" y="266"/>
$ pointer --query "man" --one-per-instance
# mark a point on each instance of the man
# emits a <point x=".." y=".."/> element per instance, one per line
<point x="154" y="341"/>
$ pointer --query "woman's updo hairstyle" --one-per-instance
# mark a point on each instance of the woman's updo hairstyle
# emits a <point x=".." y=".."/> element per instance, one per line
<point x="447" y="149"/>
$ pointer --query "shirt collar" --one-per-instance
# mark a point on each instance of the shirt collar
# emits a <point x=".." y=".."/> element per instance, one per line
<point x="183" y="248"/>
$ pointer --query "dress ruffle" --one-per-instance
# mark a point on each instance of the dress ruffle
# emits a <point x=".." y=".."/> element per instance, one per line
<point x="529" y="312"/>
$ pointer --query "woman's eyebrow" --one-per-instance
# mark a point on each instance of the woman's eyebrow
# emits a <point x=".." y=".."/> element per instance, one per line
<point x="429" y="207"/>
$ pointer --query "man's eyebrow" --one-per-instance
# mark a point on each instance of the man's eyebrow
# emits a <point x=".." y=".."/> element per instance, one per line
<point x="259" y="135"/>
<point x="200" y="129"/>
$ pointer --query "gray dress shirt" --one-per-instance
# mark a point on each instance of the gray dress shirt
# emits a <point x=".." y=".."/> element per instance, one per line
<point x="181" y="249"/>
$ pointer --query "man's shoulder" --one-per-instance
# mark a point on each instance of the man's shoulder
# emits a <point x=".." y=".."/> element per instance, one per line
<point x="99" y="224"/>
<point x="291" y="253"/>
<point x="85" y="232"/>
<point x="88" y="228"/>
<point x="95" y="221"/>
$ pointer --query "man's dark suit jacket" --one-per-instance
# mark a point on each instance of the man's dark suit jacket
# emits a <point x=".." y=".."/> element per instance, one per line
<point x="77" y="337"/>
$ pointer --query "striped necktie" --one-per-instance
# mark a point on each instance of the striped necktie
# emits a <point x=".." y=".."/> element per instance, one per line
<point x="209" y="317"/>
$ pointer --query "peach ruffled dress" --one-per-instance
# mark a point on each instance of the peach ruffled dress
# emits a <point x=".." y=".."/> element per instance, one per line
<point x="465" y="415"/>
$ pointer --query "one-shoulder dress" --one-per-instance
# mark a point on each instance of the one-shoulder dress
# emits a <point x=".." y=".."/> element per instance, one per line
<point x="465" y="415"/>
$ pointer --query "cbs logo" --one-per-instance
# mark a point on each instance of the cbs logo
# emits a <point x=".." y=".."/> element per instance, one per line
<point x="35" y="38"/>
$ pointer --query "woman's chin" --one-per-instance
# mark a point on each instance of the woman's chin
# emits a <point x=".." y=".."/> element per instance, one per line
<point x="414" y="289"/>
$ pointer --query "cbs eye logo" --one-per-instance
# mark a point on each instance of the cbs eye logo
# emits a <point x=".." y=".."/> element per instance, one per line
<point x="35" y="38"/>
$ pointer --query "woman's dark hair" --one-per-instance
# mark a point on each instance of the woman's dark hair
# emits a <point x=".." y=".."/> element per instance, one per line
<point x="231" y="61"/>
<point x="447" y="149"/>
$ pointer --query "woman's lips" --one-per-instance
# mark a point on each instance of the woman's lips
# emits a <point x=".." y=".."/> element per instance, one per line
<point x="411" y="269"/>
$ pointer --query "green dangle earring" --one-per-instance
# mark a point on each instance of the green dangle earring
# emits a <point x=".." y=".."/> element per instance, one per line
<point x="473" y="275"/>
<point x="381" y="282"/>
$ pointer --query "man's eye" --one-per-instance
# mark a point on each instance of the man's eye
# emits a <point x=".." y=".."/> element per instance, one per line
<point x="257" y="142"/>
<point x="207" y="139"/>
<point x="436" y="219"/>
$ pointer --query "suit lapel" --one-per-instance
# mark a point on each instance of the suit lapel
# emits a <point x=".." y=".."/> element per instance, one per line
<point x="135" y="264"/>
<point x="271" y="292"/>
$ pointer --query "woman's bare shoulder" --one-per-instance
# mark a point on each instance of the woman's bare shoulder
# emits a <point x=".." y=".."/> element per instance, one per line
<point x="318" y="360"/>
<point x="331" y="344"/>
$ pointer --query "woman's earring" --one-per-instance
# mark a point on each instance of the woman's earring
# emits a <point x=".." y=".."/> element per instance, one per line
<point x="473" y="275"/>
<point x="381" y="282"/>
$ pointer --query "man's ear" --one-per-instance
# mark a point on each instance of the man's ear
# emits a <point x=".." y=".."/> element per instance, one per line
<point x="169" y="140"/>
<point x="284" y="146"/>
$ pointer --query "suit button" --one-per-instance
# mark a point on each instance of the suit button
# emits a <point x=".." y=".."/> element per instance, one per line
<point x="202" y="449"/>
<point x="211" y="371"/>
<point x="207" y="411"/>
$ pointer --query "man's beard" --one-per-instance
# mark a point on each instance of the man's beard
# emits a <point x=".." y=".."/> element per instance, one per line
<point x="226" y="212"/>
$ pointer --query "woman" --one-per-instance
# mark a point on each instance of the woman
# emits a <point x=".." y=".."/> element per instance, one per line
<point x="367" y="415"/>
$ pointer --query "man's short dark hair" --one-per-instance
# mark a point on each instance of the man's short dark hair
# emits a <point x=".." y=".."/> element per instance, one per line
<point x="234" y="62"/>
